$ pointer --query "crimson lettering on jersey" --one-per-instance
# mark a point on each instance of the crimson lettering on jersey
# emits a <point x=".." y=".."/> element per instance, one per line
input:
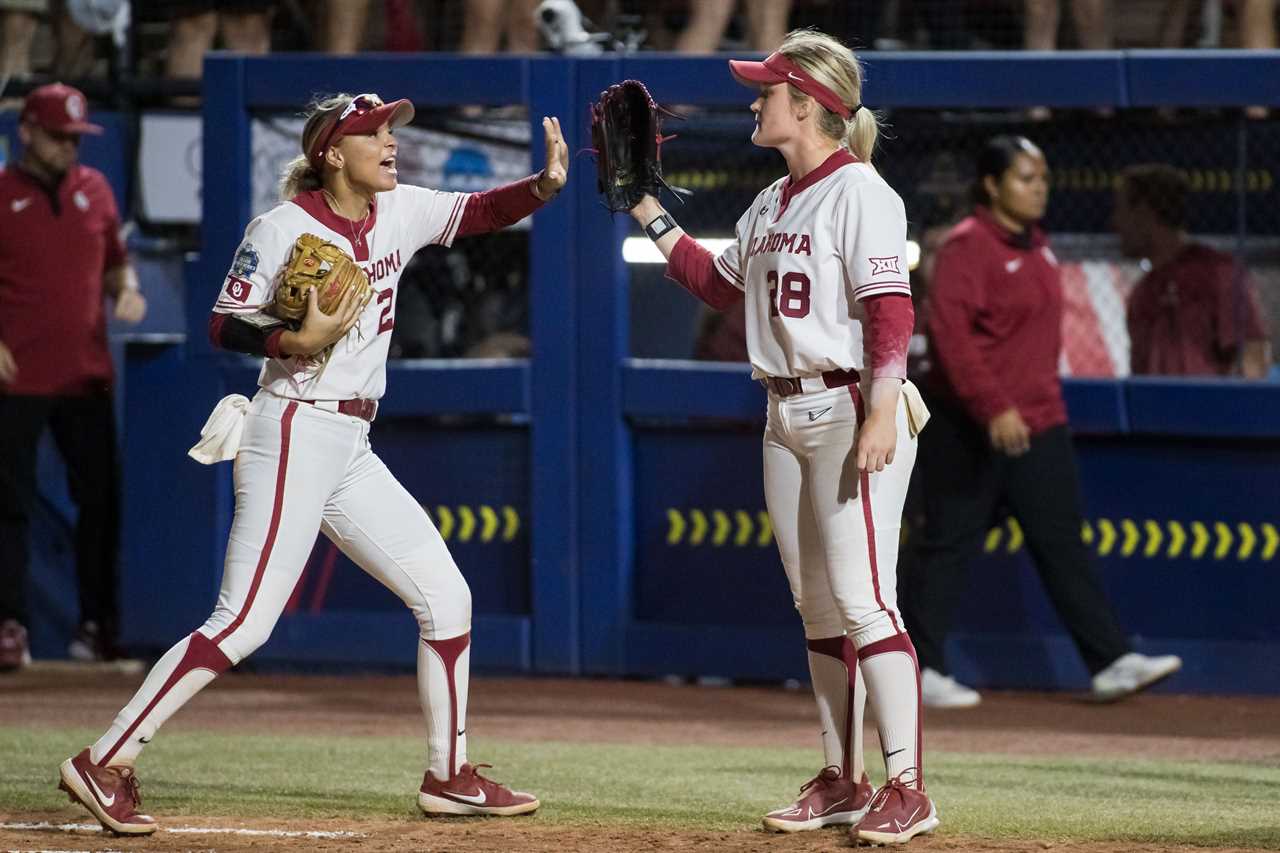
<point x="806" y="254"/>
<point x="796" y="244"/>
<point x="401" y="221"/>
<point x="380" y="269"/>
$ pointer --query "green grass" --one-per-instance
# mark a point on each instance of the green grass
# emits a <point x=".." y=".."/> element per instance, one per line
<point x="705" y="788"/>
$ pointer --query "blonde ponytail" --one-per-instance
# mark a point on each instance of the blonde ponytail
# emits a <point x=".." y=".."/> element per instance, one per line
<point x="298" y="177"/>
<point x="834" y="65"/>
<point x="861" y="133"/>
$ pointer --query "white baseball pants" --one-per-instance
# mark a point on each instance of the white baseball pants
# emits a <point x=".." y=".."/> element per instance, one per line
<point x="302" y="470"/>
<point x="837" y="531"/>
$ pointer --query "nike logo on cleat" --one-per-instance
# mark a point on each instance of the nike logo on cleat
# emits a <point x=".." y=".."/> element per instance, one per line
<point x="107" y="802"/>
<point x="898" y="825"/>
<point x="475" y="799"/>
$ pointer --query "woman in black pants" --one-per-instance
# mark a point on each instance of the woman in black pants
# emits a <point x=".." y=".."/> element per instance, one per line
<point x="999" y="431"/>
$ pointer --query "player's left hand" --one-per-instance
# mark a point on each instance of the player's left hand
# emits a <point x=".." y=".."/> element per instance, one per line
<point x="556" y="173"/>
<point x="131" y="305"/>
<point x="877" y="440"/>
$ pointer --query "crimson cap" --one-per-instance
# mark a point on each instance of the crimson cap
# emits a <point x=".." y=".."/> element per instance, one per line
<point x="59" y="108"/>
<point x="777" y="68"/>
<point x="365" y="113"/>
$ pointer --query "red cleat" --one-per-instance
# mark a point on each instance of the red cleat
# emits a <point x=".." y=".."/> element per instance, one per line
<point x="898" y="814"/>
<point x="469" y="793"/>
<point x="825" y="800"/>
<point x="110" y="793"/>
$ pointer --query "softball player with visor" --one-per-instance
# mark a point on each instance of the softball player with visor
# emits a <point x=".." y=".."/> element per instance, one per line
<point x="303" y="460"/>
<point x="820" y="258"/>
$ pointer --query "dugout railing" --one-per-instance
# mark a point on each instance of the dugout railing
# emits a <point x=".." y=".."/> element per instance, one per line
<point x="602" y="427"/>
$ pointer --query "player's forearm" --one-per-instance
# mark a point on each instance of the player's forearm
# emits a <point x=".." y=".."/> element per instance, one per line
<point x="890" y="319"/>
<point x="645" y="213"/>
<point x="252" y="335"/>
<point x="1255" y="361"/>
<point x="495" y="209"/>
<point x="882" y="402"/>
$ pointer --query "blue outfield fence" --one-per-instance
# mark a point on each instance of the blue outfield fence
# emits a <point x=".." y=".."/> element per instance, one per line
<point x="611" y="506"/>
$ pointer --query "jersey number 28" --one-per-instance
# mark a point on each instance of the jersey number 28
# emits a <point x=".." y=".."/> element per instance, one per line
<point x="793" y="301"/>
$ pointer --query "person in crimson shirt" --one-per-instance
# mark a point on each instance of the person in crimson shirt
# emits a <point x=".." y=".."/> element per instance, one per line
<point x="1195" y="313"/>
<point x="999" y="434"/>
<point x="60" y="257"/>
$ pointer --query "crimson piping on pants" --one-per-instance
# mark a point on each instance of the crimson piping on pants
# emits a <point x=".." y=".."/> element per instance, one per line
<point x="842" y="649"/>
<point x="286" y="428"/>
<point x="864" y="491"/>
<point x="449" y="651"/>
<point x="201" y="653"/>
<point x="900" y="642"/>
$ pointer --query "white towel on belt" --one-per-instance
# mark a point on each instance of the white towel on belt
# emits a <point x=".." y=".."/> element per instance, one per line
<point x="220" y="435"/>
<point x="917" y="411"/>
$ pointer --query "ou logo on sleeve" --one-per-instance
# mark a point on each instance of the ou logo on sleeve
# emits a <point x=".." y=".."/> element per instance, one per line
<point x="238" y="289"/>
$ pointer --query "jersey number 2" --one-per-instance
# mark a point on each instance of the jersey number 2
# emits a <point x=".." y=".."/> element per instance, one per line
<point x="793" y="301"/>
<point x="385" y="321"/>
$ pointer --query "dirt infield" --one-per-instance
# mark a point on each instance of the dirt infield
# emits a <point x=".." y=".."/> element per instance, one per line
<point x="1172" y="727"/>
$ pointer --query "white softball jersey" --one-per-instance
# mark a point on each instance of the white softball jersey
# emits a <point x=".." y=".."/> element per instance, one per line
<point x="402" y="221"/>
<point x="805" y="255"/>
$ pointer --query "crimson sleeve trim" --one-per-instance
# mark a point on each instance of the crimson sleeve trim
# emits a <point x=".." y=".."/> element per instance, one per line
<point x="495" y="209"/>
<point x="693" y="267"/>
<point x="890" y="318"/>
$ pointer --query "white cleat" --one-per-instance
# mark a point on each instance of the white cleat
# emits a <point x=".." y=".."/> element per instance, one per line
<point x="943" y="691"/>
<point x="1132" y="672"/>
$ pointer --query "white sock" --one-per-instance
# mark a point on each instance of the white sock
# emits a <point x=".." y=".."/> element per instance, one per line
<point x="185" y="669"/>
<point x="893" y="685"/>
<point x="840" y="703"/>
<point x="443" y="679"/>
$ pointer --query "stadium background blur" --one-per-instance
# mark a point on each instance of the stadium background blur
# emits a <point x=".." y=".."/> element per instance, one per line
<point x="1165" y="462"/>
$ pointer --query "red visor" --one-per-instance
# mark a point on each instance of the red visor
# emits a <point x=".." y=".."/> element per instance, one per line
<point x="365" y="114"/>
<point x="779" y="69"/>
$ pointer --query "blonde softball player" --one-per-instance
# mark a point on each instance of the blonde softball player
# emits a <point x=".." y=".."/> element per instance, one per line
<point x="303" y="462"/>
<point x="820" y="258"/>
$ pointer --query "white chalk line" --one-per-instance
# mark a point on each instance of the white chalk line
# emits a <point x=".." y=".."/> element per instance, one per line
<point x="196" y="830"/>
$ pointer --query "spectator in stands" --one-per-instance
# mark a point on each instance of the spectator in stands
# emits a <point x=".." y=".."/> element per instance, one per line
<point x="708" y="20"/>
<point x="488" y="21"/>
<point x="1092" y="19"/>
<point x="999" y="437"/>
<point x="60" y="254"/>
<point x="1040" y="30"/>
<point x="1257" y="21"/>
<point x="244" y="25"/>
<point x="343" y="26"/>
<point x="20" y="18"/>
<point x="1195" y="312"/>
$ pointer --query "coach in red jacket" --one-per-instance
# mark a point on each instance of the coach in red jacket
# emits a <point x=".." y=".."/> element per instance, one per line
<point x="60" y="255"/>
<point x="999" y="434"/>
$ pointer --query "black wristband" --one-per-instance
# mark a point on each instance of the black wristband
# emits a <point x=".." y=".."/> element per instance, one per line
<point x="659" y="227"/>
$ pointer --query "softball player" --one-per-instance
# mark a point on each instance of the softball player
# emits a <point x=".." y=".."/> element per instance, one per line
<point x="820" y="258"/>
<point x="303" y="463"/>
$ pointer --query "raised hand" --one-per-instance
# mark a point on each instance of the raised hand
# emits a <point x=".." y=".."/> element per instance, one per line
<point x="556" y="173"/>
